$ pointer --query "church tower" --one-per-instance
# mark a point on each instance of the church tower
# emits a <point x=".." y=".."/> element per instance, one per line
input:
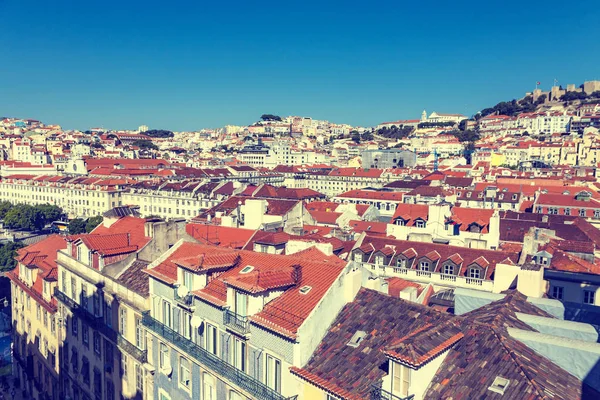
<point x="424" y="116"/>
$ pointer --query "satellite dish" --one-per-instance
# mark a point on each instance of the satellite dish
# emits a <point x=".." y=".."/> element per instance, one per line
<point x="182" y="291"/>
<point x="196" y="321"/>
<point x="167" y="370"/>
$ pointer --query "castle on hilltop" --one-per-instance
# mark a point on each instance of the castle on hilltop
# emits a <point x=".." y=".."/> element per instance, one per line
<point x="557" y="91"/>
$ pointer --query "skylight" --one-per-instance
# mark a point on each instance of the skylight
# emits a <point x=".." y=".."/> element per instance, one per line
<point x="247" y="269"/>
<point x="305" y="289"/>
<point x="357" y="338"/>
<point x="499" y="386"/>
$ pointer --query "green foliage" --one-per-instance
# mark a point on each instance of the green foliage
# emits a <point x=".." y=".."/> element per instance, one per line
<point x="435" y="124"/>
<point x="395" y="132"/>
<point x="367" y="136"/>
<point x="93" y="222"/>
<point x="595" y="95"/>
<point x="570" y="96"/>
<point x="145" y="144"/>
<point x="8" y="252"/>
<point x="270" y="117"/>
<point x="465" y="136"/>
<point x="25" y="217"/>
<point x="77" y="226"/>
<point x="513" y="108"/>
<point x="356" y="137"/>
<point x="5" y="206"/>
<point x="51" y="212"/>
<point x="158" y="133"/>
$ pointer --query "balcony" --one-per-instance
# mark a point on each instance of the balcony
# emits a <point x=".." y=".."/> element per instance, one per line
<point x="244" y="381"/>
<point x="432" y="277"/>
<point x="378" y="393"/>
<point x="90" y="319"/>
<point x="131" y="349"/>
<point x="236" y="322"/>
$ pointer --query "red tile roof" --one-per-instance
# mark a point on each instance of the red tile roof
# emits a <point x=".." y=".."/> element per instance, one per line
<point x="284" y="314"/>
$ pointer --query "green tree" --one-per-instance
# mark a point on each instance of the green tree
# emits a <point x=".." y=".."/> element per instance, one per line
<point x="93" y="222"/>
<point x="144" y="144"/>
<point x="77" y="226"/>
<point x="270" y="117"/>
<point x="25" y="217"/>
<point x="8" y="252"/>
<point x="356" y="137"/>
<point x="51" y="212"/>
<point x="5" y="206"/>
<point x="158" y="133"/>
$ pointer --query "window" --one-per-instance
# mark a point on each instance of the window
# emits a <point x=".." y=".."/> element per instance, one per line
<point x="273" y="373"/>
<point x="140" y="341"/>
<point x="84" y="296"/>
<point x="208" y="387"/>
<point x="424" y="266"/>
<point x="97" y="349"/>
<point x="166" y="314"/>
<point x="596" y="213"/>
<point x="420" y="223"/>
<point x="108" y="354"/>
<point x="239" y="354"/>
<point x="567" y="211"/>
<point x="108" y="315"/>
<point x="184" y="372"/>
<point x="358" y="257"/>
<point x="38" y="313"/>
<point x="241" y="303"/>
<point x="449" y="269"/>
<point x="401" y="380"/>
<point x="74" y="326"/>
<point x="186" y="324"/>
<point x="188" y="279"/>
<point x="74" y="359"/>
<point x="85" y="334"/>
<point x="124" y="363"/>
<point x="552" y="210"/>
<point x="110" y="390"/>
<point x="557" y="292"/>
<point x="588" y="296"/>
<point x="211" y="339"/>
<point x="85" y="370"/>
<point x="475" y="273"/>
<point x="139" y="377"/>
<point x="123" y="321"/>
<point x="582" y="212"/>
<point x="400" y="222"/>
<point x="96" y="304"/>
<point x="163" y="361"/>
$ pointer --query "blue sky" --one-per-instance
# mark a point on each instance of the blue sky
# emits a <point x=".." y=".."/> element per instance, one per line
<point x="187" y="65"/>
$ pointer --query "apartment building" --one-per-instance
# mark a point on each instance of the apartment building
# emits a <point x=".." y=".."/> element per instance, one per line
<point x="228" y="324"/>
<point x="176" y="200"/>
<point x="36" y="320"/>
<point x="78" y="197"/>
<point x="101" y="294"/>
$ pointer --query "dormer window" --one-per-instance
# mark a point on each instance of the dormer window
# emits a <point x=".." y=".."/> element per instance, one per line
<point x="424" y="266"/>
<point x="379" y="260"/>
<point x="475" y="273"/>
<point x="400" y="222"/>
<point x="449" y="269"/>
<point x="401" y="262"/>
<point x="515" y="196"/>
<point x="358" y="257"/>
<point x="420" y="223"/>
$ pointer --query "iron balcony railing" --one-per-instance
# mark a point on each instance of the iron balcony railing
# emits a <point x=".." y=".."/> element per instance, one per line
<point x="90" y="319"/>
<point x="378" y="393"/>
<point x="130" y="348"/>
<point x="239" y="378"/>
<point x="236" y="322"/>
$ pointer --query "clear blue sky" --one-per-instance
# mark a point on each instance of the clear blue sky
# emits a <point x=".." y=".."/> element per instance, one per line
<point x="188" y="65"/>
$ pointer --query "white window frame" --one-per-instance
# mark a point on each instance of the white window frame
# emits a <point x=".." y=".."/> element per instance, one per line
<point x="273" y="372"/>
<point x="589" y="296"/>
<point x="185" y="371"/>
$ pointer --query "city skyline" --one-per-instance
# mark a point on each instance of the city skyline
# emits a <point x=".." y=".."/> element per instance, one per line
<point x="200" y="66"/>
